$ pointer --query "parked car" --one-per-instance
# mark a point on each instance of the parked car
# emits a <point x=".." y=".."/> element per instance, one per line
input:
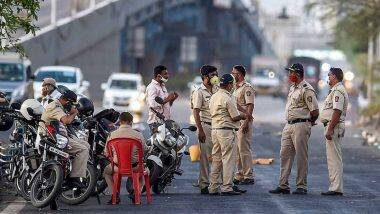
<point x="15" y="76"/>
<point x="68" y="76"/>
<point x="124" y="92"/>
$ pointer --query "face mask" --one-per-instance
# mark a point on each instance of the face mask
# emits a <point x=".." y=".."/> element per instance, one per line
<point x="67" y="107"/>
<point x="214" y="80"/>
<point x="293" y="78"/>
<point x="164" y="80"/>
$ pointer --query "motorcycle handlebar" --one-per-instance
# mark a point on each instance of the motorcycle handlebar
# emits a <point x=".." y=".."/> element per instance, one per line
<point x="158" y="114"/>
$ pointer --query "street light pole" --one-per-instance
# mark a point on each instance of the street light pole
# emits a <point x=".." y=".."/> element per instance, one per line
<point x="370" y="67"/>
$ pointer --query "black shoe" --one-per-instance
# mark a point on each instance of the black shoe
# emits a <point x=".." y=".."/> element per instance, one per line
<point x="247" y="181"/>
<point x="196" y="184"/>
<point x="230" y="193"/>
<point x="214" y="193"/>
<point x="236" y="181"/>
<point x="75" y="183"/>
<point x="300" y="191"/>
<point x="117" y="201"/>
<point x="279" y="190"/>
<point x="204" y="191"/>
<point x="236" y="189"/>
<point x="54" y="205"/>
<point x="332" y="193"/>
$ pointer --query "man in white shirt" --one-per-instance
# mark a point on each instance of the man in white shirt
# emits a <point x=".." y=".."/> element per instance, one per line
<point x="157" y="89"/>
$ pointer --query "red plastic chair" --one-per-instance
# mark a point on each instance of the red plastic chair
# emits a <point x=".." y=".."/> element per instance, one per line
<point x="124" y="152"/>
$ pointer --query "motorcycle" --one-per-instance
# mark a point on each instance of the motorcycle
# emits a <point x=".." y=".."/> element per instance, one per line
<point x="99" y="128"/>
<point x="49" y="180"/>
<point x="21" y="158"/>
<point x="166" y="148"/>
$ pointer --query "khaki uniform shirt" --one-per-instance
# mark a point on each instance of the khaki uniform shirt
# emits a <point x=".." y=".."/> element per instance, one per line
<point x="337" y="99"/>
<point x="53" y="112"/>
<point x="223" y="108"/>
<point x="245" y="94"/>
<point x="301" y="101"/>
<point x="125" y="131"/>
<point x="201" y="101"/>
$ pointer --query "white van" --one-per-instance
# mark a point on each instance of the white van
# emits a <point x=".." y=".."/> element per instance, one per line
<point x="124" y="92"/>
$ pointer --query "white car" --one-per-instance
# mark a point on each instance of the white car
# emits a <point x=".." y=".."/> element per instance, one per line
<point x="68" y="76"/>
<point x="124" y="92"/>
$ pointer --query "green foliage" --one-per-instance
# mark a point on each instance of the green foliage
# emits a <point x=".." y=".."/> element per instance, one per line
<point x="16" y="15"/>
<point x="371" y="110"/>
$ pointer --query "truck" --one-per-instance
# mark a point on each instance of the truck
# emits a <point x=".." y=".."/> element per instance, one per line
<point x="16" y="78"/>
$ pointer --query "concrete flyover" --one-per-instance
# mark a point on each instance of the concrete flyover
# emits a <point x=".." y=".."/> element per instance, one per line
<point x="89" y="40"/>
<point x="92" y="39"/>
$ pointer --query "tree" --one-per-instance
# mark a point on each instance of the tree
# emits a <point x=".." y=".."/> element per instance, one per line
<point x="16" y="16"/>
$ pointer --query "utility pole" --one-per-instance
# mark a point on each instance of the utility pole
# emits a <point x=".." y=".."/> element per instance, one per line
<point x="370" y="66"/>
<point x="53" y="12"/>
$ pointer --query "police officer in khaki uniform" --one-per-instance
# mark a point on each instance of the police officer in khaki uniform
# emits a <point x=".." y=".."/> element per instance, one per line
<point x="125" y="130"/>
<point x="301" y="113"/>
<point x="56" y="111"/>
<point x="332" y="116"/>
<point x="225" y="119"/>
<point x="201" y="111"/>
<point x="48" y="87"/>
<point x="245" y="95"/>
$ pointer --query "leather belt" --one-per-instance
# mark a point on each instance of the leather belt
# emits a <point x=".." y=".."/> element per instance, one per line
<point x="227" y="128"/>
<point x="206" y="123"/>
<point x="298" y="121"/>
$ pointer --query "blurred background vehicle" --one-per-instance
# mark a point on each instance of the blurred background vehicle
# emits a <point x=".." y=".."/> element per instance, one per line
<point x="124" y="92"/>
<point x="15" y="73"/>
<point x="68" y="76"/>
<point x="267" y="76"/>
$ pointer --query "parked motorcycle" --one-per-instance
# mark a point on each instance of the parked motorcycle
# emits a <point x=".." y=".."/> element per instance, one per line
<point x="166" y="148"/>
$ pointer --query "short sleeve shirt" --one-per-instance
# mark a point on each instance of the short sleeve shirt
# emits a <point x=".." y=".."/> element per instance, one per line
<point x="201" y="101"/>
<point x="245" y="94"/>
<point x="336" y="99"/>
<point x="222" y="109"/>
<point x="301" y="101"/>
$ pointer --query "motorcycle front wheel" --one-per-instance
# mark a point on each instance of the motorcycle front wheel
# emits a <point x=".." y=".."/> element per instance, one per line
<point x="25" y="185"/>
<point x="155" y="172"/>
<point x="46" y="186"/>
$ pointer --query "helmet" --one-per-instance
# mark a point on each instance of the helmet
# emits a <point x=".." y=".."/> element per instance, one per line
<point x="85" y="107"/>
<point x="6" y="122"/>
<point x="31" y="109"/>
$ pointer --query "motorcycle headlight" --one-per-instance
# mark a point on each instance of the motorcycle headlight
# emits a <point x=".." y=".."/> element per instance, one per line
<point x="62" y="141"/>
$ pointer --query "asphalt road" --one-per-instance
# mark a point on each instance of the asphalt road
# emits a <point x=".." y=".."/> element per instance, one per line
<point x="361" y="178"/>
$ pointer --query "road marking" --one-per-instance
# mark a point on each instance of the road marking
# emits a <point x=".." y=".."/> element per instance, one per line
<point x="14" y="207"/>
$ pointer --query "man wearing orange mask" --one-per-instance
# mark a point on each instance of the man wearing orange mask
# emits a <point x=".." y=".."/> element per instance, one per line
<point x="301" y="114"/>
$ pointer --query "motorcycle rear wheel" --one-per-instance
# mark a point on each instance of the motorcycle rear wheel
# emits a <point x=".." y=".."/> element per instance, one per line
<point x="90" y="183"/>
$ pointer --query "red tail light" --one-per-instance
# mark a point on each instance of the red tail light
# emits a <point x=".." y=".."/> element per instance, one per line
<point x="51" y="129"/>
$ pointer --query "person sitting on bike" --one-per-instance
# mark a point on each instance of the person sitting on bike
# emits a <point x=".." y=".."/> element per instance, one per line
<point x="56" y="111"/>
<point x="124" y="131"/>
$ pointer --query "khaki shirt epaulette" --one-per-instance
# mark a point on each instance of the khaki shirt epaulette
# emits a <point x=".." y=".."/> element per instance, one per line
<point x="201" y="100"/>
<point x="301" y="101"/>
<point x="222" y="109"/>
<point x="245" y="94"/>
<point x="336" y="99"/>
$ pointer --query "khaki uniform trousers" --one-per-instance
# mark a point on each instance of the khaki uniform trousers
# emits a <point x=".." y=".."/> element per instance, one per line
<point x="80" y="149"/>
<point x="334" y="158"/>
<point x="224" y="159"/>
<point x="108" y="176"/>
<point x="294" y="143"/>
<point x="205" y="159"/>
<point x="244" y="163"/>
